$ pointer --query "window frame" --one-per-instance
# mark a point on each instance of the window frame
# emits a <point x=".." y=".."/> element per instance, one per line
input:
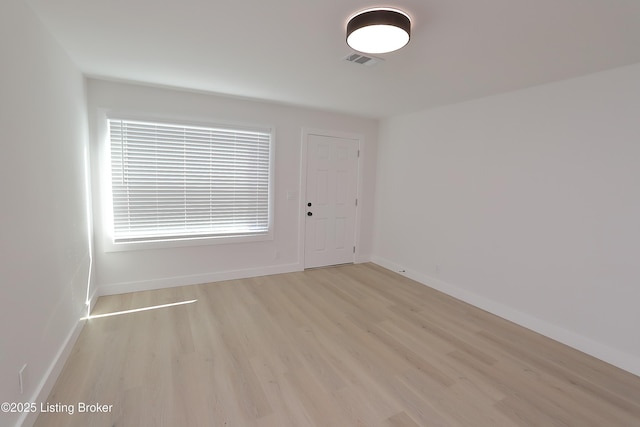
<point x="107" y="211"/>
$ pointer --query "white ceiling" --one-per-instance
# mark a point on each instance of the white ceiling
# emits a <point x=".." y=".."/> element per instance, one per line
<point x="291" y="51"/>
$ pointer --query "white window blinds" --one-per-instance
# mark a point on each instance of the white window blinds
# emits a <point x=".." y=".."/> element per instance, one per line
<point x="173" y="181"/>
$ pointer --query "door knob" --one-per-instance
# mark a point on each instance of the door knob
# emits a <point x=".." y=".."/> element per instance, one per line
<point x="309" y="214"/>
<point x="309" y="204"/>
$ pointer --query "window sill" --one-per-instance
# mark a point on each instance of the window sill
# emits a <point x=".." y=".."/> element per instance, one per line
<point x="110" y="246"/>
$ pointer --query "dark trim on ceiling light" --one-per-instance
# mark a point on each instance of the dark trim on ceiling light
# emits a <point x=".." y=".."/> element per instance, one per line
<point x="380" y="17"/>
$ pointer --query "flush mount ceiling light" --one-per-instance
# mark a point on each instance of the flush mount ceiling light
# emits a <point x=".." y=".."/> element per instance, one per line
<point x="379" y="30"/>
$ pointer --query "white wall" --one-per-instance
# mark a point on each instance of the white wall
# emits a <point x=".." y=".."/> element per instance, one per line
<point x="526" y="204"/>
<point x="152" y="268"/>
<point x="43" y="221"/>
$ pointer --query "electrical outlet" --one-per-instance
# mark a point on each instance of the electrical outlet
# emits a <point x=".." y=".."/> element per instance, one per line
<point x="21" y="377"/>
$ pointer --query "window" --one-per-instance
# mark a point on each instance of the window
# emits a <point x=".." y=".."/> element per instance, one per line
<point x="173" y="182"/>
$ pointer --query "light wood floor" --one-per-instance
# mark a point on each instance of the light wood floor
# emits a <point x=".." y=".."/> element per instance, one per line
<point x="346" y="346"/>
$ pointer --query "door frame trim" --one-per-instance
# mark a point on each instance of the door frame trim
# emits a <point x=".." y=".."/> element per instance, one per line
<point x="303" y="185"/>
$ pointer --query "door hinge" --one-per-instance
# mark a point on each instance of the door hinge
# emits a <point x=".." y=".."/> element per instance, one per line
<point x="354" y="249"/>
<point x="356" y="202"/>
<point x="358" y="153"/>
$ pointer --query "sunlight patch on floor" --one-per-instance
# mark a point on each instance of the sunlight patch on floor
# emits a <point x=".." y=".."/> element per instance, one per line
<point x="136" y="310"/>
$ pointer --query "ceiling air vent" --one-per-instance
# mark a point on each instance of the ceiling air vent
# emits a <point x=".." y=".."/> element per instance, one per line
<point x="357" y="58"/>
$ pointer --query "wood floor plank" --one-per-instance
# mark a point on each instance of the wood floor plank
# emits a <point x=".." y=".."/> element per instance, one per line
<point x="354" y="345"/>
<point x="401" y="419"/>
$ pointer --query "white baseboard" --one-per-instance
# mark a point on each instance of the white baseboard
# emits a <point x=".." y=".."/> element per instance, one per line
<point x="362" y="258"/>
<point x="584" y="344"/>
<point x="147" y="285"/>
<point x="49" y="379"/>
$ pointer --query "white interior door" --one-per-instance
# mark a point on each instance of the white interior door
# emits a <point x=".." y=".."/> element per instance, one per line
<point x="332" y="165"/>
